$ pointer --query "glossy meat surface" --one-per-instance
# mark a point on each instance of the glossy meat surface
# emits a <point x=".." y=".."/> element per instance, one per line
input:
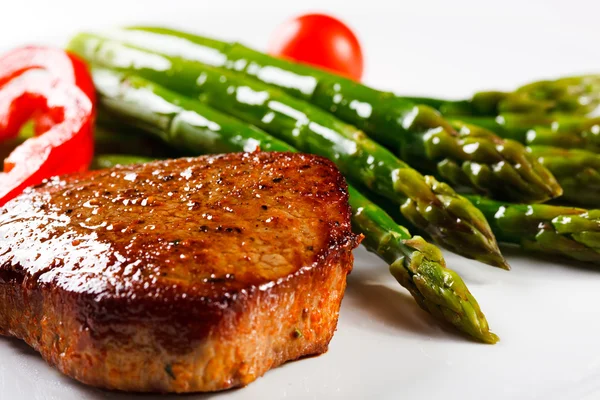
<point x="180" y="275"/>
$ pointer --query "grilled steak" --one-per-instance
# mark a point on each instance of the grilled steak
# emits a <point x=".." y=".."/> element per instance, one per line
<point x="176" y="276"/>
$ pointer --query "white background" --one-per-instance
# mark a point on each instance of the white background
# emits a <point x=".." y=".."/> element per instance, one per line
<point x="546" y="312"/>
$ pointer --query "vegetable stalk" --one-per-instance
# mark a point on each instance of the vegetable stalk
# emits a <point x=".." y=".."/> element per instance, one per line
<point x="565" y="131"/>
<point x="562" y="112"/>
<point x="577" y="171"/>
<point x="565" y="231"/>
<point x="575" y="95"/>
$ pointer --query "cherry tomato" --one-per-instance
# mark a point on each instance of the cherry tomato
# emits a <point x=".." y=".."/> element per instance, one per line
<point x="319" y="40"/>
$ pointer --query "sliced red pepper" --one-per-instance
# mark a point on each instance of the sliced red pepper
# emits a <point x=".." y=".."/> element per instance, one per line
<point x="56" y="89"/>
<point x="57" y="62"/>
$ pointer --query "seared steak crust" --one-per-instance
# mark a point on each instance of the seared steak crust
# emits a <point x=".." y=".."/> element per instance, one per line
<point x="194" y="274"/>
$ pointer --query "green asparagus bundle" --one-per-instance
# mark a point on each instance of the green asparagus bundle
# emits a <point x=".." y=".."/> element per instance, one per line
<point x="417" y="134"/>
<point x="195" y="128"/>
<point x="565" y="231"/>
<point x="431" y="206"/>
<point x="577" y="95"/>
<point x="578" y="172"/>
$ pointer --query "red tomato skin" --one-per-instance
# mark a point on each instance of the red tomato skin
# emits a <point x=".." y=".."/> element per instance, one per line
<point x="319" y="40"/>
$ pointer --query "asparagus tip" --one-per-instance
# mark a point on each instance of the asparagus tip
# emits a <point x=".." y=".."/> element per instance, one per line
<point x="489" y="338"/>
<point x="494" y="258"/>
<point x="497" y="260"/>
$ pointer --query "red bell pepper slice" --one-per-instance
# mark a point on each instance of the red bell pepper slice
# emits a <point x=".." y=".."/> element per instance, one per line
<point x="56" y="89"/>
<point x="57" y="62"/>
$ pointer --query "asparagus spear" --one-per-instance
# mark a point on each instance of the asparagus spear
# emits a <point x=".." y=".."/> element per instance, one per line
<point x="578" y="172"/>
<point x="562" y="113"/>
<point x="577" y="95"/>
<point x="566" y="231"/>
<point x="566" y="131"/>
<point x="195" y="128"/>
<point x="431" y="206"/>
<point x="415" y="133"/>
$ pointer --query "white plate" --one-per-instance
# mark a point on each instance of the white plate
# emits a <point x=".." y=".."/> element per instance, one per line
<point x="546" y="312"/>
